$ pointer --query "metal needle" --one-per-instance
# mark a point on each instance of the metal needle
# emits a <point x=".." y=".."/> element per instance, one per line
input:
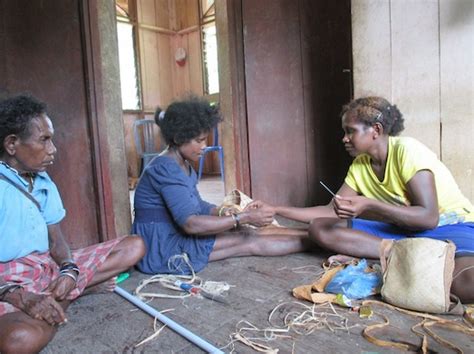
<point x="327" y="188"/>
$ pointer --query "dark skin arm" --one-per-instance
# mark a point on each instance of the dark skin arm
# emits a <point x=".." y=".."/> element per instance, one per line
<point x="210" y="224"/>
<point x="40" y="307"/>
<point x="60" y="252"/>
<point x="214" y="211"/>
<point x="422" y="214"/>
<point x="306" y="214"/>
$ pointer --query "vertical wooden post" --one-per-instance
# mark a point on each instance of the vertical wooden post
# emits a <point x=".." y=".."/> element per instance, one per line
<point x="232" y="94"/>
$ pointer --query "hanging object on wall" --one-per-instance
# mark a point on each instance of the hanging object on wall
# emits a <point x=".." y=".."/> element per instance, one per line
<point x="180" y="56"/>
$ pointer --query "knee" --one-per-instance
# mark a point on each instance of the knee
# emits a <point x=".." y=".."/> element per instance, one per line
<point x="135" y="248"/>
<point x="25" y="338"/>
<point x="139" y="247"/>
<point x="319" y="232"/>
<point x="463" y="286"/>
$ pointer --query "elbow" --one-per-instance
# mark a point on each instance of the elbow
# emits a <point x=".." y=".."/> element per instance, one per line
<point x="188" y="228"/>
<point x="191" y="226"/>
<point x="433" y="221"/>
<point x="430" y="221"/>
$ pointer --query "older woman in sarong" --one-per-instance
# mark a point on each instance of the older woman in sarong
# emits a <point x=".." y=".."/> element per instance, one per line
<point x="39" y="274"/>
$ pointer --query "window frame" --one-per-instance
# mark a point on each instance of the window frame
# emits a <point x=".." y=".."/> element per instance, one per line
<point x="131" y="19"/>
<point x="206" y="18"/>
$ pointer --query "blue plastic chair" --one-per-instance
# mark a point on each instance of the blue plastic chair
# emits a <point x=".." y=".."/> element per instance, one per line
<point x="214" y="147"/>
<point x="143" y="131"/>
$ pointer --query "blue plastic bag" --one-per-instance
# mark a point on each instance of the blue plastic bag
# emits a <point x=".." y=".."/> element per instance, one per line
<point x="355" y="282"/>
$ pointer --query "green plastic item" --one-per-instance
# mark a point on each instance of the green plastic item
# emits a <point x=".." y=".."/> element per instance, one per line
<point x="121" y="277"/>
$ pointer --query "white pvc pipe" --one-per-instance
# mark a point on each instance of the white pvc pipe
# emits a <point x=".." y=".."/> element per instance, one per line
<point x="170" y="323"/>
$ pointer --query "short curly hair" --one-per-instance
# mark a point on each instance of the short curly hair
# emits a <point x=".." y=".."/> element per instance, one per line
<point x="15" y="116"/>
<point x="371" y="110"/>
<point x="186" y="119"/>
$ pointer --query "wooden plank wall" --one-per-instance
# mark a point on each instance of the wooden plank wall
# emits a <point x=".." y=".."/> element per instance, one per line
<point x="68" y="59"/>
<point x="155" y="54"/>
<point x="419" y="55"/>
<point x="457" y="90"/>
<point x="32" y="54"/>
<point x="163" y="27"/>
<point x="234" y="138"/>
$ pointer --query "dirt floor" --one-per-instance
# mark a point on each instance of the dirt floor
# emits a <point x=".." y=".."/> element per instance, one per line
<point x="107" y="323"/>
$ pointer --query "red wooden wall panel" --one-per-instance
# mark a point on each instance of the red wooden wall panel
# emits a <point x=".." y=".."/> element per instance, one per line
<point x="43" y="54"/>
<point x="275" y="108"/>
<point x="297" y="60"/>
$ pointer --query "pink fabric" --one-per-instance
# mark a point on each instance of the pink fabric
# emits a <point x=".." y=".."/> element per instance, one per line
<point x="37" y="270"/>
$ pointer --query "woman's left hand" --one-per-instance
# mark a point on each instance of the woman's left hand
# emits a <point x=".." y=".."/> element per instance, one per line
<point x="61" y="287"/>
<point x="350" y="207"/>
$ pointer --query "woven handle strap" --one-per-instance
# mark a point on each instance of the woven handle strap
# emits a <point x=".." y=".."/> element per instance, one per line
<point x="428" y="322"/>
<point x="25" y="193"/>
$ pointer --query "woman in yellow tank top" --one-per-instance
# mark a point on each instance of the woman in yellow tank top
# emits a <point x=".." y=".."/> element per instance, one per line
<point x="396" y="187"/>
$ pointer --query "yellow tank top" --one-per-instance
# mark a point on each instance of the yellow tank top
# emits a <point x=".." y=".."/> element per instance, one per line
<point x="407" y="156"/>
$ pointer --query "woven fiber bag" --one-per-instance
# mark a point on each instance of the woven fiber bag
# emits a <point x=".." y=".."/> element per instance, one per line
<point x="417" y="273"/>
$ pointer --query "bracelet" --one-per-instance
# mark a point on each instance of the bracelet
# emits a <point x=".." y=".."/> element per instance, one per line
<point x="67" y="266"/>
<point x="72" y="276"/>
<point x="236" y="218"/>
<point x="8" y="288"/>
<point x="220" y="211"/>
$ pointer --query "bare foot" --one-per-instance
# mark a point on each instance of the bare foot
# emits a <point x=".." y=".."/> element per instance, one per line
<point x="340" y="259"/>
<point x="105" y="287"/>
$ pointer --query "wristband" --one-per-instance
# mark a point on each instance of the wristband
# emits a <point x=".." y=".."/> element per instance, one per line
<point x="70" y="275"/>
<point x="219" y="211"/>
<point x="67" y="266"/>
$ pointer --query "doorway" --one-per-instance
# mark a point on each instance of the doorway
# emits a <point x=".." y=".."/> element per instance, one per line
<point x="286" y="71"/>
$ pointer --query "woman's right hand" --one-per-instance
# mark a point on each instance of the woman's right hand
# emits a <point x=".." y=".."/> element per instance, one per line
<point x="350" y="207"/>
<point x="261" y="216"/>
<point x="258" y="204"/>
<point x="38" y="306"/>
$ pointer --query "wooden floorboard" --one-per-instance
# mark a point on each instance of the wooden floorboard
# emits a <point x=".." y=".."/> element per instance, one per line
<point x="106" y="323"/>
